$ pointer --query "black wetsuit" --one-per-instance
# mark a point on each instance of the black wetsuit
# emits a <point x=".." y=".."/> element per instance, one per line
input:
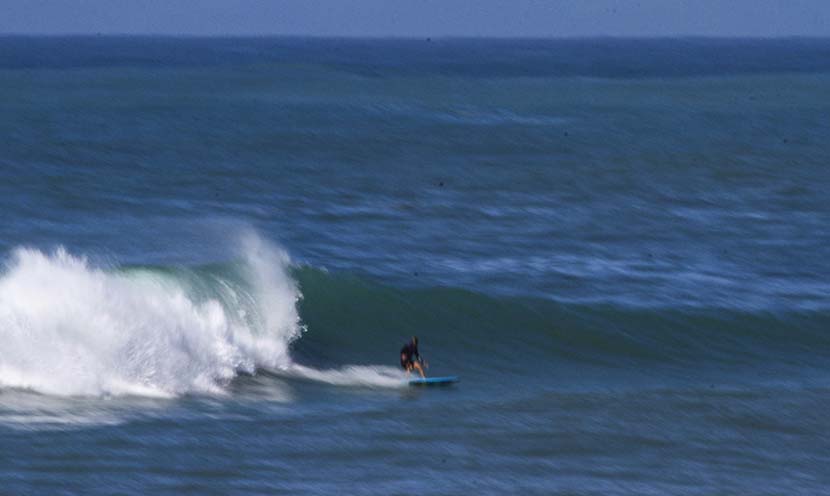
<point x="409" y="353"/>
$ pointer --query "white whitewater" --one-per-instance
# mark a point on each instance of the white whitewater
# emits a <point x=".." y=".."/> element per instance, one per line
<point x="69" y="328"/>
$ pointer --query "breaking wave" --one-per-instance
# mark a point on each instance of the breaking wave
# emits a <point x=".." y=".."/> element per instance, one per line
<point x="71" y="328"/>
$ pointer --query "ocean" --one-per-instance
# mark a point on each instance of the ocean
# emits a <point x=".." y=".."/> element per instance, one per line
<point x="212" y="249"/>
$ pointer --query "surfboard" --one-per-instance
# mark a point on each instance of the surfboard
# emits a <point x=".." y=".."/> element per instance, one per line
<point x="434" y="381"/>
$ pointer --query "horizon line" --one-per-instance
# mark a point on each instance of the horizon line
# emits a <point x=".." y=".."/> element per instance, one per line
<point x="416" y="37"/>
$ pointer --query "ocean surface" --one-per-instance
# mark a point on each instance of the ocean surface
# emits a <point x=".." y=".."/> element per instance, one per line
<point x="211" y="251"/>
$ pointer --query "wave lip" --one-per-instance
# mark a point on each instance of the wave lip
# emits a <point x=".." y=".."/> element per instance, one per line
<point x="69" y="328"/>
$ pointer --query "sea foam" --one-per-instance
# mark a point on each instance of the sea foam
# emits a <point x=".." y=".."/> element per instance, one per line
<point x="70" y="328"/>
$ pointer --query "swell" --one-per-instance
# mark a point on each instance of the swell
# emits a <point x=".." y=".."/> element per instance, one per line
<point x="353" y="319"/>
<point x="71" y="328"/>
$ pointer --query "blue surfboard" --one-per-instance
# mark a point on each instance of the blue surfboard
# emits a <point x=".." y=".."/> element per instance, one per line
<point x="434" y="381"/>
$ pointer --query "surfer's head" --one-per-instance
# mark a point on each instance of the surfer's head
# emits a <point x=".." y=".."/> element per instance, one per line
<point x="415" y="340"/>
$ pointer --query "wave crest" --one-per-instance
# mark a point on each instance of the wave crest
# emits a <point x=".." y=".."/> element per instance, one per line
<point x="69" y="328"/>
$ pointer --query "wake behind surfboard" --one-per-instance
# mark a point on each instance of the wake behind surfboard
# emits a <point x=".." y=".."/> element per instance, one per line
<point x="434" y="381"/>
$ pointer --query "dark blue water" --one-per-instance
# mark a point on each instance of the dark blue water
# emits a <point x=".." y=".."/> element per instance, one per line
<point x="214" y="248"/>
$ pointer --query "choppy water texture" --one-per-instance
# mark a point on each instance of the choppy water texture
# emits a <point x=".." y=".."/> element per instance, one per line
<point x="213" y="250"/>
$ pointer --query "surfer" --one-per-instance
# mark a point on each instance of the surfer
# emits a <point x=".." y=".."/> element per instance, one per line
<point x="411" y="359"/>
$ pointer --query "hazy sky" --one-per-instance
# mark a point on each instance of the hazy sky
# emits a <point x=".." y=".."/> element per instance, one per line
<point x="550" y="18"/>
